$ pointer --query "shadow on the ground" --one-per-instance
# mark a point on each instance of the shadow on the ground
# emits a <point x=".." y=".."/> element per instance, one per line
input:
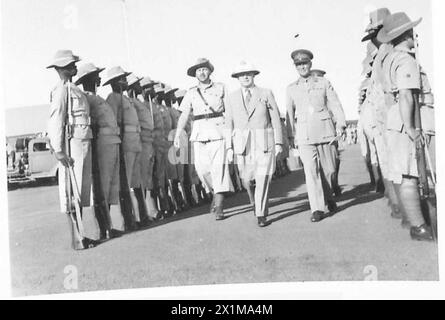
<point x="279" y="187"/>
<point x="42" y="182"/>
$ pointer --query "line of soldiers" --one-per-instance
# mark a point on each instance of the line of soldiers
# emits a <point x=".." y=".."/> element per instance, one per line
<point x="121" y="147"/>
<point x="390" y="130"/>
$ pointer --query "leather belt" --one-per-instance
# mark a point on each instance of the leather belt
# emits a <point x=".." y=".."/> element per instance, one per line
<point x="81" y="121"/>
<point x="130" y="128"/>
<point x="208" y="116"/>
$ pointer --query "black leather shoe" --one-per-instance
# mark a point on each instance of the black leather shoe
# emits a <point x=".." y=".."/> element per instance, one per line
<point x="144" y="223"/>
<point x="114" y="233"/>
<point x="262" y="222"/>
<point x="88" y="243"/>
<point x="318" y="216"/>
<point x="332" y="206"/>
<point x="219" y="214"/>
<point x="421" y="233"/>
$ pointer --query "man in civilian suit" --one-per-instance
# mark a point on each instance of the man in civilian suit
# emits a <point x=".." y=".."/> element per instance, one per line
<point x="253" y="123"/>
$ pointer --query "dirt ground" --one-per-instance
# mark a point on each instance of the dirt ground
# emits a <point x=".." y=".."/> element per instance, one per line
<point x="361" y="240"/>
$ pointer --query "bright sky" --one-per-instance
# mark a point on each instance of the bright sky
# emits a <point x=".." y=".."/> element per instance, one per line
<point x="166" y="37"/>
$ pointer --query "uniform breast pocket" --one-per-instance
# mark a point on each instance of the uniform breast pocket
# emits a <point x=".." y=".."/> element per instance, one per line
<point x="327" y="124"/>
<point x="317" y="98"/>
<point x="75" y="103"/>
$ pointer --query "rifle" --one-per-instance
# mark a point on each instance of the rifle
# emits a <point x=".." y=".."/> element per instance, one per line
<point x="427" y="195"/>
<point x="74" y="213"/>
<point x="124" y="190"/>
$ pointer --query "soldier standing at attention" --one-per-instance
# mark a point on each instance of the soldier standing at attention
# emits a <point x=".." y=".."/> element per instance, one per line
<point x="401" y="79"/>
<point x="310" y="103"/>
<point x="161" y="150"/>
<point x="72" y="148"/>
<point x="206" y="102"/>
<point x="146" y="156"/>
<point x="128" y="120"/>
<point x="375" y="101"/>
<point x="106" y="143"/>
<point x="179" y="182"/>
<point x="148" y="93"/>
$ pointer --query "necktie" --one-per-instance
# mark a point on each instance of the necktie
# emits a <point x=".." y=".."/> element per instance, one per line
<point x="248" y="96"/>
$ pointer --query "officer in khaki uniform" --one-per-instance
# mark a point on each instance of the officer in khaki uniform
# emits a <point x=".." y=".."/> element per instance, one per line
<point x="69" y="106"/>
<point x="191" y="179"/>
<point x="401" y="78"/>
<point x="253" y="121"/>
<point x="310" y="102"/>
<point x="335" y="186"/>
<point x="206" y="102"/>
<point x="127" y="118"/>
<point x="106" y="142"/>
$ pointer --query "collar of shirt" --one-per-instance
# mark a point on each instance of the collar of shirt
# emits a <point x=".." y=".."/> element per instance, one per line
<point x="405" y="49"/>
<point x="247" y="89"/>
<point x="302" y="80"/>
<point x="205" y="86"/>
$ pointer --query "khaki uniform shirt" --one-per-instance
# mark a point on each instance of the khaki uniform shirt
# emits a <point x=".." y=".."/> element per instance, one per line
<point x="79" y="117"/>
<point x="375" y="95"/>
<point x="104" y="118"/>
<point x="400" y="71"/>
<point x="206" y="129"/>
<point x="132" y="130"/>
<point x="310" y="103"/>
<point x="158" y="131"/>
<point x="145" y="120"/>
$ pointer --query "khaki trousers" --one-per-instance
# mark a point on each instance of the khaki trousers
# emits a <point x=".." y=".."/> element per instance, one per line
<point x="319" y="162"/>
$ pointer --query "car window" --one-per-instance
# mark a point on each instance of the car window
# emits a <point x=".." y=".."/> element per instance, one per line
<point x="40" y="146"/>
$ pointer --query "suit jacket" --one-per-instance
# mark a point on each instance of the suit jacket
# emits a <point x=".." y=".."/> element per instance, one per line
<point x="313" y="111"/>
<point x="257" y="123"/>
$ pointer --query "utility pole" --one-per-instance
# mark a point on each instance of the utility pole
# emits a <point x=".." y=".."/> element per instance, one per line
<point x="126" y="34"/>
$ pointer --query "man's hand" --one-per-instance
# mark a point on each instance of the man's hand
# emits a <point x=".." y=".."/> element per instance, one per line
<point x="278" y="149"/>
<point x="341" y="131"/>
<point x="428" y="139"/>
<point x="230" y="155"/>
<point x="64" y="159"/>
<point x="177" y="141"/>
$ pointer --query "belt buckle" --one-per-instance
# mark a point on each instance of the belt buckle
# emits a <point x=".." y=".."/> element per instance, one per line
<point x="207" y="116"/>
